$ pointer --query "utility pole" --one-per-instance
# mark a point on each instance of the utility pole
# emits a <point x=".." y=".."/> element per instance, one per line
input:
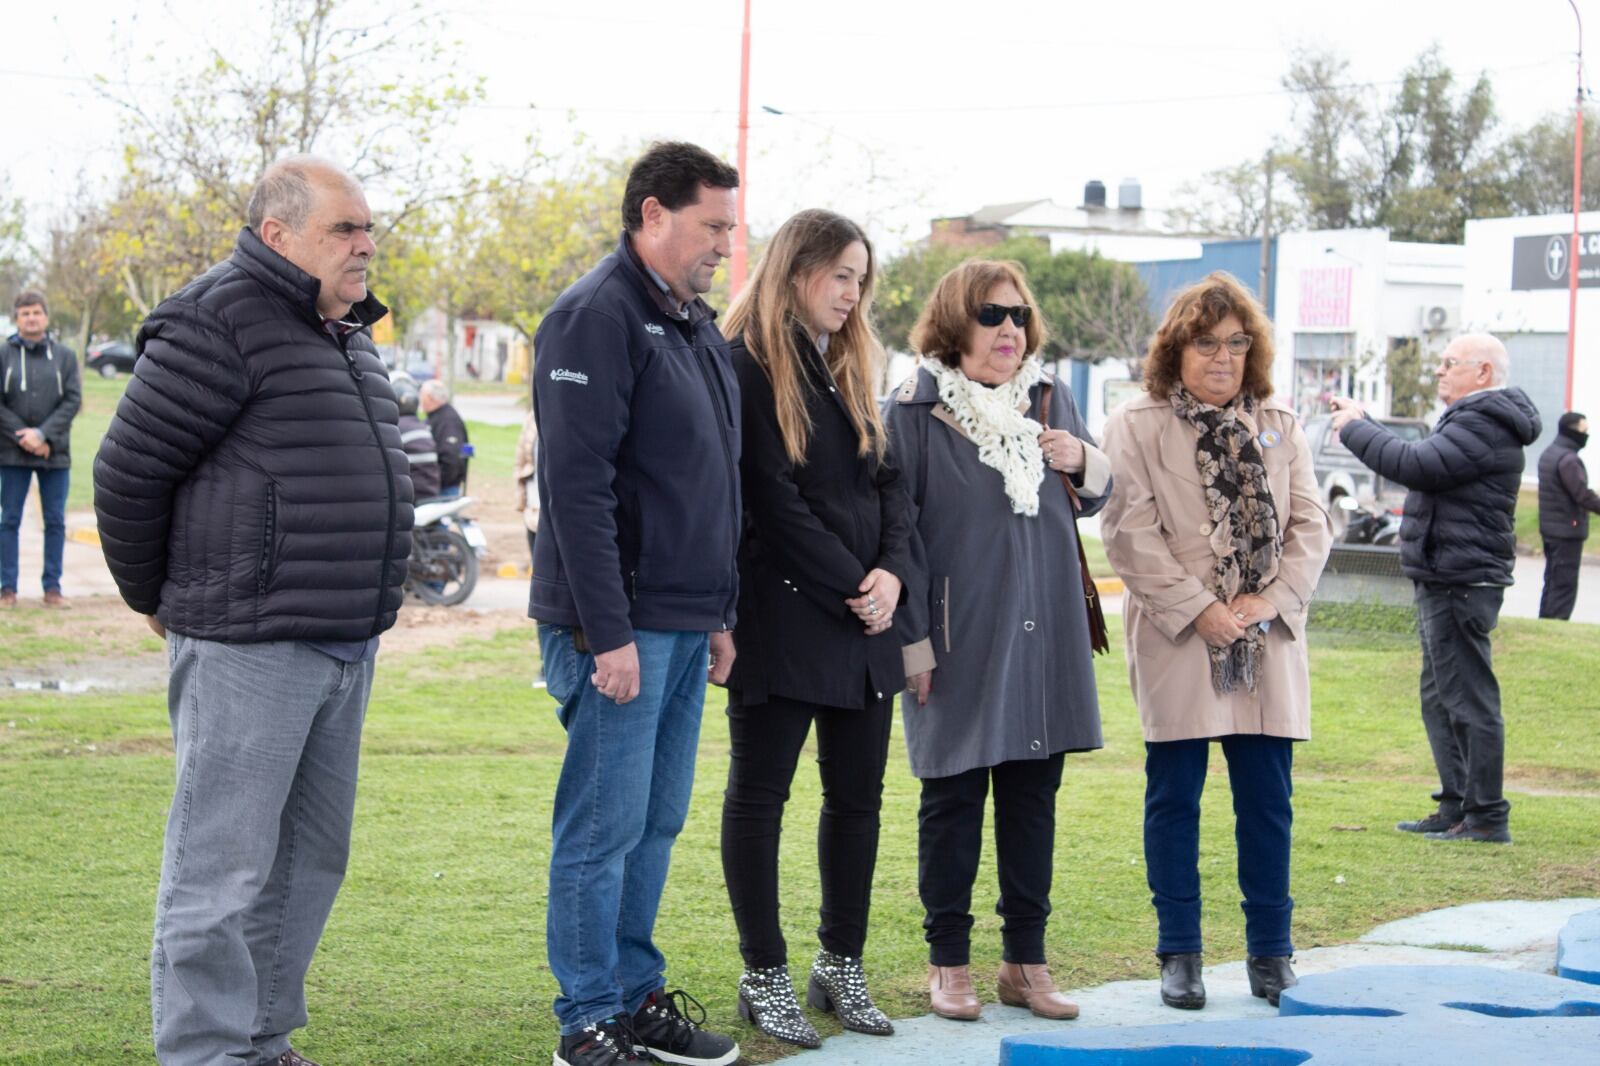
<point x="1574" y="253"/>
<point x="741" y="247"/>
<point x="1266" y="231"/>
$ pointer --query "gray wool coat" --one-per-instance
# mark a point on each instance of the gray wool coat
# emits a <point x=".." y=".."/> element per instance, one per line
<point x="999" y="611"/>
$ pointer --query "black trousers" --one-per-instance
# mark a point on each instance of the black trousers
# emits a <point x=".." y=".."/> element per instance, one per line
<point x="1461" y="699"/>
<point x="852" y="749"/>
<point x="533" y="538"/>
<point x="1561" y="563"/>
<point x="950" y="841"/>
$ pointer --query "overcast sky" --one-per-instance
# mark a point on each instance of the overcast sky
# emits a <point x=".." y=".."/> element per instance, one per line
<point x="896" y="111"/>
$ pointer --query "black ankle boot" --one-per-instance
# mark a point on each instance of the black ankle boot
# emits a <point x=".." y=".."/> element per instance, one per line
<point x="1181" y="984"/>
<point x="1269" y="976"/>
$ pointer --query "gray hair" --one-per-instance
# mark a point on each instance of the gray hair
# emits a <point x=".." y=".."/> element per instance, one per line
<point x="1487" y="347"/>
<point x="285" y="191"/>
<point x="434" y="389"/>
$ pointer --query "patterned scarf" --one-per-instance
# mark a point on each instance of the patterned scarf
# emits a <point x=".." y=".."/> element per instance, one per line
<point x="1007" y="439"/>
<point x="1244" y="523"/>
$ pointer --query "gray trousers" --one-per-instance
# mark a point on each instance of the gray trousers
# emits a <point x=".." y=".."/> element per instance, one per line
<point x="268" y="737"/>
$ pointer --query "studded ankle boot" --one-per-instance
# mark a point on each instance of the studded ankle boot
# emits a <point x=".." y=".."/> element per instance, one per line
<point x="767" y="1001"/>
<point x="839" y="984"/>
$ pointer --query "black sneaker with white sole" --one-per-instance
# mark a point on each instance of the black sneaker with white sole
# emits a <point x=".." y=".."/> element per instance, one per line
<point x="662" y="1031"/>
<point x="605" y="1043"/>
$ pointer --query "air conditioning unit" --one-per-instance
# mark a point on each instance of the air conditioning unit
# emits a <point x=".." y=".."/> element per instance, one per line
<point x="1437" y="319"/>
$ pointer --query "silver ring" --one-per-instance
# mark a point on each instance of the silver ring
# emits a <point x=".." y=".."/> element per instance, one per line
<point x="1239" y="615"/>
<point x="872" y="608"/>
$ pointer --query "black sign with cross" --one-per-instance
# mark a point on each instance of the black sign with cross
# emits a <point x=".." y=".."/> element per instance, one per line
<point x="1543" y="262"/>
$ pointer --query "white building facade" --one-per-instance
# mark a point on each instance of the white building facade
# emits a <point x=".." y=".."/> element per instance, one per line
<point x="1345" y="299"/>
<point x="1516" y="288"/>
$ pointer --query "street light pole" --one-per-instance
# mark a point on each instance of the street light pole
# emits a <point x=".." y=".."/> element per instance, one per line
<point x="741" y="247"/>
<point x="1574" y="254"/>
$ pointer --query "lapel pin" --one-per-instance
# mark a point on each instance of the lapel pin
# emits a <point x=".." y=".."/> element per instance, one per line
<point x="1270" y="438"/>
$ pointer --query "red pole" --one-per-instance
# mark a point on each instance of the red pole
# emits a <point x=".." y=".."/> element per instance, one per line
<point x="1574" y="255"/>
<point x="741" y="248"/>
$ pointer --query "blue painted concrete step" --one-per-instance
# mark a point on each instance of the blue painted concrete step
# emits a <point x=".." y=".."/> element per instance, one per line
<point x="1578" y="948"/>
<point x="1362" y="1016"/>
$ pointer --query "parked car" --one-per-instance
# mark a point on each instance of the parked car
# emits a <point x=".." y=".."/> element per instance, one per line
<point x="110" y="359"/>
<point x="1340" y="473"/>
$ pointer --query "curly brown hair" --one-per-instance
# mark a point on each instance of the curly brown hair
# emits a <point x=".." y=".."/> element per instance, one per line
<point x="945" y="324"/>
<point x="1197" y="310"/>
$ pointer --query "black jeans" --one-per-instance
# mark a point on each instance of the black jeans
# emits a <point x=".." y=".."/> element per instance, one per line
<point x="950" y="841"/>
<point x="1461" y="699"/>
<point x="1259" y="777"/>
<point x="852" y="749"/>
<point x="1561" y="561"/>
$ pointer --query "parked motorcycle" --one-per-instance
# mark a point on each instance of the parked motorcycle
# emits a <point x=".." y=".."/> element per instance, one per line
<point x="445" y="544"/>
<point x="1365" y="526"/>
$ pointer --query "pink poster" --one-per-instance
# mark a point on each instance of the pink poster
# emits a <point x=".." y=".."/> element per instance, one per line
<point x="1325" y="296"/>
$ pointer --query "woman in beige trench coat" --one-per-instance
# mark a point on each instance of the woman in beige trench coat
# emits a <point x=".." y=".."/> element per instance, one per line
<point x="1217" y="531"/>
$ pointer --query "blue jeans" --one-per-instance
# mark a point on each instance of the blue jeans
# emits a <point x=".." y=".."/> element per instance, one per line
<point x="1259" y="776"/>
<point x="620" y="803"/>
<point x="268" y="738"/>
<point x="53" y="501"/>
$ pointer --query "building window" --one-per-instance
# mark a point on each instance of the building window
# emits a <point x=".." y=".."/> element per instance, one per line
<point x="1324" y="367"/>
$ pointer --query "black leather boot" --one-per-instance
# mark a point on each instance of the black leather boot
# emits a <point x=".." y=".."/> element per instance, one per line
<point x="1269" y="976"/>
<point x="1181" y="984"/>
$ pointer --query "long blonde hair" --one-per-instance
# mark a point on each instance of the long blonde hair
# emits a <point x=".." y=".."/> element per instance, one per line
<point x="768" y="312"/>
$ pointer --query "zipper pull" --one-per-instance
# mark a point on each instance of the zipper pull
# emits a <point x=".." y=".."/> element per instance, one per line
<point x="350" y="362"/>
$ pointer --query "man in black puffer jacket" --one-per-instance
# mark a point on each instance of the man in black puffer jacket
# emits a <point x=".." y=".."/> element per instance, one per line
<point x="1458" y="544"/>
<point x="253" y="500"/>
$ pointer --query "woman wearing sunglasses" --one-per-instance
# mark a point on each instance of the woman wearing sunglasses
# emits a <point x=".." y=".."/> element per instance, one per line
<point x="828" y="542"/>
<point x="1002" y="688"/>
<point x="1218" y="531"/>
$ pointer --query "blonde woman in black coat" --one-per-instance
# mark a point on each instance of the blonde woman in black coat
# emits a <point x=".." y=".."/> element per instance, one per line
<point x="828" y="542"/>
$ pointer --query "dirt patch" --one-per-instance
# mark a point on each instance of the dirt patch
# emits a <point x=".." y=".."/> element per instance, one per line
<point x="101" y="645"/>
<point x="420" y="626"/>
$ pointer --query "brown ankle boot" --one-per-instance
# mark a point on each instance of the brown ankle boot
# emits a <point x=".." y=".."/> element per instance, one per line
<point x="950" y="990"/>
<point x="1029" y="985"/>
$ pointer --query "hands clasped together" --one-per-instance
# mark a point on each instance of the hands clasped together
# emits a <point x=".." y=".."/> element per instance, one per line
<point x="33" y="442"/>
<point x="1223" y="623"/>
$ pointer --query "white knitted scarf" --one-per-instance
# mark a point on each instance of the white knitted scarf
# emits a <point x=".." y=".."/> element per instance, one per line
<point x="1007" y="440"/>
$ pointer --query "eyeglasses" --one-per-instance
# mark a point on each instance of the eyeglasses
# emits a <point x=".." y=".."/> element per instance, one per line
<point x="1207" y="345"/>
<point x="1450" y="362"/>
<point x="991" y="315"/>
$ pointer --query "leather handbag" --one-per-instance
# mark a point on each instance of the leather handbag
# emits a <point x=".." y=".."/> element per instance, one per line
<point x="1099" y="641"/>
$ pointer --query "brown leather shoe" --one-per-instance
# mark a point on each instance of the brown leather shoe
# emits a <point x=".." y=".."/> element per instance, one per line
<point x="950" y="990"/>
<point x="8" y="598"/>
<point x="1029" y="985"/>
<point x="53" y="598"/>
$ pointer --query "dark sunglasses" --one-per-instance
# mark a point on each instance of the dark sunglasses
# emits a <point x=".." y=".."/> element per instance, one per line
<point x="991" y="315"/>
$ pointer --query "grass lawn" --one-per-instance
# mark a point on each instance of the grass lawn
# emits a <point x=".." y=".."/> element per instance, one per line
<point x="435" y="951"/>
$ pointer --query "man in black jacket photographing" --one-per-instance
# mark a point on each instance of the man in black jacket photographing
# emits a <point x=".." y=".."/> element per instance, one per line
<point x="1458" y="544"/>
<point x="254" y="502"/>
<point x="1565" y="503"/>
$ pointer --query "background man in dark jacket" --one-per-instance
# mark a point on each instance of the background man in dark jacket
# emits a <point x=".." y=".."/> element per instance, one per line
<point x="1458" y="544"/>
<point x="259" y="418"/>
<point x="39" y="396"/>
<point x="638" y="474"/>
<point x="1565" y="501"/>
<point x="422" y="454"/>
<point x="449" y="437"/>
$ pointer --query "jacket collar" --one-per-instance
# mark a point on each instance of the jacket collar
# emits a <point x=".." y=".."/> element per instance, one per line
<point x="293" y="285"/>
<point x="42" y="346"/>
<point x="694" y="312"/>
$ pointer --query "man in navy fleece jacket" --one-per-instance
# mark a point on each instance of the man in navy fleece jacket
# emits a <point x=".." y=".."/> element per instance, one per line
<point x="634" y="584"/>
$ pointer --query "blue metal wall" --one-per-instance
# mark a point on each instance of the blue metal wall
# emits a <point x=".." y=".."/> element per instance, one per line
<point x="1165" y="278"/>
